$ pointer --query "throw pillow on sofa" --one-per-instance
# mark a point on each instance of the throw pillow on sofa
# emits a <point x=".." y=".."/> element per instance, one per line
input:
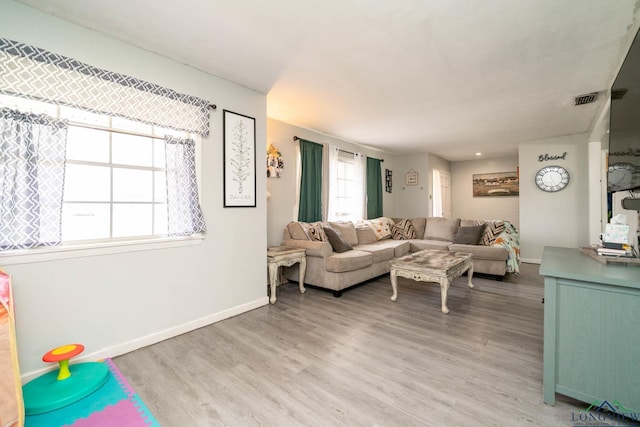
<point x="296" y="231"/>
<point x="403" y="230"/>
<point x="314" y="231"/>
<point x="492" y="230"/>
<point x="337" y="240"/>
<point x="380" y="227"/>
<point x="347" y="229"/>
<point x="469" y="235"/>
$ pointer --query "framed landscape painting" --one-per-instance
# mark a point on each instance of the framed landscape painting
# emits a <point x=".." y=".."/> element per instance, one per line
<point x="239" y="164"/>
<point x="496" y="184"/>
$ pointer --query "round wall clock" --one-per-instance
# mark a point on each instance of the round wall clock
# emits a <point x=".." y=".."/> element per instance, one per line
<point x="620" y="176"/>
<point x="552" y="178"/>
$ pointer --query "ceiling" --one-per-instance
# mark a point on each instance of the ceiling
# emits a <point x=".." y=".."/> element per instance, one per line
<point x="408" y="76"/>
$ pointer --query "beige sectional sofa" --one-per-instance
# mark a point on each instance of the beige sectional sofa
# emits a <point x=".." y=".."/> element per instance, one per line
<point x="373" y="249"/>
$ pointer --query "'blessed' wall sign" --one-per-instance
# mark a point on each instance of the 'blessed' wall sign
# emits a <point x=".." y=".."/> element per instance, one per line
<point x="545" y="157"/>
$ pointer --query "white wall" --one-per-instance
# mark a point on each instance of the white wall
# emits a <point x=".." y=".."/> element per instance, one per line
<point x="553" y="219"/>
<point x="464" y="205"/>
<point x="116" y="303"/>
<point x="280" y="209"/>
<point x="412" y="200"/>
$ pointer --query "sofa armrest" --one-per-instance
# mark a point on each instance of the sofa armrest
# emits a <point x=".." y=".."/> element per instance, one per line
<point x="314" y="248"/>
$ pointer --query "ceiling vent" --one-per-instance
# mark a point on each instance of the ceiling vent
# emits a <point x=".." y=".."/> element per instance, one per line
<point x="618" y="94"/>
<point x="586" y="99"/>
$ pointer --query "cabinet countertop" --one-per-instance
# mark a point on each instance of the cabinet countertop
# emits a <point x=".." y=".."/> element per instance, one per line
<point x="571" y="263"/>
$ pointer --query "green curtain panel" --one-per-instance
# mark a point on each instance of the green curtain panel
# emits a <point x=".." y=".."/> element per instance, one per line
<point x="374" y="188"/>
<point x="310" y="209"/>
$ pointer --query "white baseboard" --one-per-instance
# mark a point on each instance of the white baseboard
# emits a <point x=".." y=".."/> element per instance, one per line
<point x="530" y="261"/>
<point x="156" y="337"/>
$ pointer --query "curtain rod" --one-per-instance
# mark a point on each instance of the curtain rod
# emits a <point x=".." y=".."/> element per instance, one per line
<point x="295" y="138"/>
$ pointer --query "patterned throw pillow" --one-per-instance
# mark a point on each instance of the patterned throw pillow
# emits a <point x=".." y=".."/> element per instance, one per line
<point x="380" y="227"/>
<point x="403" y="230"/>
<point x="492" y="230"/>
<point x="314" y="231"/>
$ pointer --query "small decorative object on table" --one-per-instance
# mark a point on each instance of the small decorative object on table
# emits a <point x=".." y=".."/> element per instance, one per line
<point x="284" y="256"/>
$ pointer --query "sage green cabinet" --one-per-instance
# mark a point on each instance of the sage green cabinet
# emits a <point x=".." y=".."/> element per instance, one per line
<point x="591" y="329"/>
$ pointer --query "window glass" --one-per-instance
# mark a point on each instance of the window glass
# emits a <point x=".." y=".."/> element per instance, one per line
<point x="131" y="220"/>
<point x="87" y="183"/>
<point x="81" y="221"/>
<point x="87" y="144"/>
<point x="160" y="220"/>
<point x="160" y="186"/>
<point x="159" y="159"/>
<point x="346" y="201"/>
<point x="132" y="185"/>
<point x="131" y="150"/>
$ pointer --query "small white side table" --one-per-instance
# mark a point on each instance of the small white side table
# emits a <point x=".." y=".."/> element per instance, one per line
<point x="285" y="256"/>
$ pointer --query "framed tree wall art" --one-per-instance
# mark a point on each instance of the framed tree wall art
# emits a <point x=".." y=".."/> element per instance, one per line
<point x="239" y="160"/>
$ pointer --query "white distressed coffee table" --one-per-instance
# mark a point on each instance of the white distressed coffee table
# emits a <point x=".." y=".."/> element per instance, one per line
<point x="432" y="266"/>
<point x="286" y="256"/>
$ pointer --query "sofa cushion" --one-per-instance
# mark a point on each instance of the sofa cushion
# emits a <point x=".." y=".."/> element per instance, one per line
<point x="365" y="234"/>
<point x="419" y="225"/>
<point x="379" y="250"/>
<point x="418" y="245"/>
<point x="348" y="261"/>
<point x="338" y="242"/>
<point x="441" y="228"/>
<point x="492" y="230"/>
<point x="312" y="248"/>
<point x="296" y="231"/>
<point x="348" y="231"/>
<point x="400" y="247"/>
<point x="403" y="230"/>
<point x="496" y="253"/>
<point x="469" y="235"/>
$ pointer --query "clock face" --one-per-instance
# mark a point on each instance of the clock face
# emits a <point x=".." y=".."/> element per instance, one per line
<point x="552" y="178"/>
<point x="620" y="176"/>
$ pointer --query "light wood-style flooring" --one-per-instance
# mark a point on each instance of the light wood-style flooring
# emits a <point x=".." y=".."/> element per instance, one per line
<point x="361" y="360"/>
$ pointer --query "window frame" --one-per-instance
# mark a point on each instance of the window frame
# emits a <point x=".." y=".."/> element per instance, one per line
<point x="111" y="245"/>
<point x="347" y="158"/>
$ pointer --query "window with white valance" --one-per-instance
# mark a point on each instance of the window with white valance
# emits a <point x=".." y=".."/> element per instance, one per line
<point x="128" y="150"/>
<point x="34" y="73"/>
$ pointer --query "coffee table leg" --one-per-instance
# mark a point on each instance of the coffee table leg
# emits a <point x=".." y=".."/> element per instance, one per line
<point x="302" y="269"/>
<point x="470" y="275"/>
<point x="273" y="281"/>
<point x="394" y="284"/>
<point x="444" y="289"/>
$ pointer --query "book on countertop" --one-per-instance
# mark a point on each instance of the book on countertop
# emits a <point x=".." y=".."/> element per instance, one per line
<point x="624" y="251"/>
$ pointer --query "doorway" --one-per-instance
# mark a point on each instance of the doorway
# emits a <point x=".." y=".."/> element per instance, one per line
<point x="441" y="191"/>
